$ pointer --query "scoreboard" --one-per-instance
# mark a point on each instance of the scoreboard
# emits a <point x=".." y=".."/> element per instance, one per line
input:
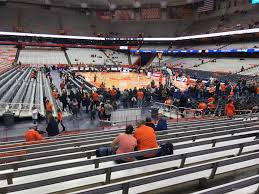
<point x="255" y="1"/>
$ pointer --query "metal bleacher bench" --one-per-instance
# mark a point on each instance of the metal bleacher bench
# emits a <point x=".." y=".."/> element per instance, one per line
<point x="231" y="136"/>
<point x="108" y="171"/>
<point x="38" y="150"/>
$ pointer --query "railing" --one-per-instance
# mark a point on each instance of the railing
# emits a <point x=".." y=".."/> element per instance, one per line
<point x="213" y="166"/>
<point x="232" y="186"/>
<point x="177" y="110"/>
<point x="17" y="107"/>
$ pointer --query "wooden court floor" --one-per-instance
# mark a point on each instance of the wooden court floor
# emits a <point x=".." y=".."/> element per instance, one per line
<point x="118" y="79"/>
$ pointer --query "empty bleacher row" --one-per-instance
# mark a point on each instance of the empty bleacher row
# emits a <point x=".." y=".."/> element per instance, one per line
<point x="42" y="56"/>
<point x="20" y="92"/>
<point x="68" y="164"/>
<point x="223" y="65"/>
<point x="52" y="56"/>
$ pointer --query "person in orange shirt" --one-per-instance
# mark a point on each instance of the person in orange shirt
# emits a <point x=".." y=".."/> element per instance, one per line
<point x="257" y="91"/>
<point x="202" y="106"/>
<point x="60" y="119"/>
<point x="146" y="138"/>
<point x="211" y="104"/>
<point x="160" y="78"/>
<point x="188" y="81"/>
<point x="223" y="88"/>
<point x="32" y="134"/>
<point x="113" y="93"/>
<point x="49" y="108"/>
<point x="95" y="97"/>
<point x="230" y="109"/>
<point x="140" y="97"/>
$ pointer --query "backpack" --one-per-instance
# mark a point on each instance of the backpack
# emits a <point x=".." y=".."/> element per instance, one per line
<point x="166" y="149"/>
<point x="104" y="151"/>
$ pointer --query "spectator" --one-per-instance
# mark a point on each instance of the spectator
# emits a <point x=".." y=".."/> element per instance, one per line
<point x="33" y="134"/>
<point x="146" y="139"/>
<point x="92" y="110"/>
<point x="34" y="115"/>
<point x="60" y="119"/>
<point x="202" y="106"/>
<point x="108" y="110"/>
<point x="162" y="124"/>
<point x="102" y="112"/>
<point x="124" y="143"/>
<point x="49" y="107"/>
<point x="140" y="97"/>
<point x="230" y="109"/>
<point x="74" y="107"/>
<point x="52" y="127"/>
<point x="149" y="123"/>
<point x="63" y="99"/>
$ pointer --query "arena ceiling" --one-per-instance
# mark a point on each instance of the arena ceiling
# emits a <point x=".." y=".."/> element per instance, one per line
<point x="108" y="4"/>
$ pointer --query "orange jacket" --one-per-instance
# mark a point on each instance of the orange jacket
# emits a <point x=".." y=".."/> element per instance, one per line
<point x="223" y="87"/>
<point x="113" y="92"/>
<point x="32" y="135"/>
<point x="230" y="110"/>
<point x="202" y="106"/>
<point x="140" y="95"/>
<point x="257" y="90"/>
<point x="146" y="138"/>
<point x="49" y="107"/>
<point x="95" y="97"/>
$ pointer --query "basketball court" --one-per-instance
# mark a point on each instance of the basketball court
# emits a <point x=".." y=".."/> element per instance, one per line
<point x="118" y="79"/>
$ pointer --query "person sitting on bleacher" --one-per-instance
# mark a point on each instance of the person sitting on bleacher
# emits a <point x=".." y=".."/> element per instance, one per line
<point x="33" y="134"/>
<point x="52" y="127"/>
<point x="149" y="123"/>
<point x="146" y="139"/>
<point x="124" y="143"/>
<point x="161" y="124"/>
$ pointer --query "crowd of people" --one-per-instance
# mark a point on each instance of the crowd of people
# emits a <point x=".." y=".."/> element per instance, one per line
<point x="99" y="103"/>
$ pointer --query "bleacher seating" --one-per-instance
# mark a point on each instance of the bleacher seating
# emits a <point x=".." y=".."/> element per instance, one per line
<point x="68" y="163"/>
<point x="120" y="58"/>
<point x="254" y="71"/>
<point x="227" y="65"/>
<point x="88" y="56"/>
<point x="42" y="56"/>
<point x="7" y="57"/>
<point x="19" y="92"/>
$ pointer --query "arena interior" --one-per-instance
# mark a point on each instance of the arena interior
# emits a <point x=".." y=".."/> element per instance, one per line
<point x="129" y="96"/>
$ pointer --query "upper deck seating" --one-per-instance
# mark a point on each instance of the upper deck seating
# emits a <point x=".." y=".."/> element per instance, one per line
<point x="42" y="56"/>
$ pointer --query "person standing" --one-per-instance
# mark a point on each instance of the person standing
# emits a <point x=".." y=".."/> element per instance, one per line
<point x="34" y="115"/>
<point x="74" y="107"/>
<point x="108" y="110"/>
<point x="60" y="119"/>
<point x="230" y="109"/>
<point x="140" y="98"/>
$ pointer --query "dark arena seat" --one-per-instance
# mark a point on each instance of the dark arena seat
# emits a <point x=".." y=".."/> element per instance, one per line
<point x="129" y="97"/>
